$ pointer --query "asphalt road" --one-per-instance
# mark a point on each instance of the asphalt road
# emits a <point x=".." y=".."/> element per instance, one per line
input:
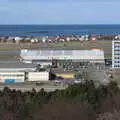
<point x="9" y="55"/>
<point x="10" y="52"/>
<point x="15" y="64"/>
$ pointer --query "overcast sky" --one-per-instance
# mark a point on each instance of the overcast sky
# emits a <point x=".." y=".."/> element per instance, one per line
<point x="59" y="12"/>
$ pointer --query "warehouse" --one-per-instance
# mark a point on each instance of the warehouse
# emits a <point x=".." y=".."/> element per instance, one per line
<point x="12" y="77"/>
<point x="38" y="76"/>
<point x="21" y="77"/>
<point x="67" y="59"/>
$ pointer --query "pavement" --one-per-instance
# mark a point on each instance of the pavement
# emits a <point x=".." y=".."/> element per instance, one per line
<point x="15" y="64"/>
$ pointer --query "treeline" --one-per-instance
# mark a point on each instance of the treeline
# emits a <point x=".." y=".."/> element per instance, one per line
<point x="84" y="101"/>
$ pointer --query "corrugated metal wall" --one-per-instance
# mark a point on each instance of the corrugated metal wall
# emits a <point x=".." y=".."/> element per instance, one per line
<point x="38" y="76"/>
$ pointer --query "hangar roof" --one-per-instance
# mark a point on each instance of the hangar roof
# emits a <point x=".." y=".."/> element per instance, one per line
<point x="61" y="54"/>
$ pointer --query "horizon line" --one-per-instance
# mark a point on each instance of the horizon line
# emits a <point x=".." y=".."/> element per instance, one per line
<point x="59" y="24"/>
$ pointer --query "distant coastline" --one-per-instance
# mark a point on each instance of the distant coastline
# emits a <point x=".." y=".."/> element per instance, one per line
<point x="52" y="24"/>
<point x="54" y="30"/>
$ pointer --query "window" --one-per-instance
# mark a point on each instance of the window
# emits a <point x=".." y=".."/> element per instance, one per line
<point x="116" y="66"/>
<point x="116" y="57"/>
<point x="116" y="53"/>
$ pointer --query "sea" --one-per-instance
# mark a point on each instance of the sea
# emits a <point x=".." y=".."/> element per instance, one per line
<point x="54" y="30"/>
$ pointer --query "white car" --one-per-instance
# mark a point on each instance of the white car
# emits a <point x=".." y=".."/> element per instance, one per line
<point x="77" y="81"/>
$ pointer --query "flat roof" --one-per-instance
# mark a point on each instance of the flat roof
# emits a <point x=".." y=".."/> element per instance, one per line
<point x="61" y="54"/>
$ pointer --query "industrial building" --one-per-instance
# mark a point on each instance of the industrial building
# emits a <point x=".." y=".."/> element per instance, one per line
<point x="116" y="54"/>
<point x="90" y="61"/>
<point x="22" y="77"/>
<point x="12" y="77"/>
<point x="66" y="59"/>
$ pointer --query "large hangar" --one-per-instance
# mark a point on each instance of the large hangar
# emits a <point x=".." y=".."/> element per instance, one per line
<point x="68" y="59"/>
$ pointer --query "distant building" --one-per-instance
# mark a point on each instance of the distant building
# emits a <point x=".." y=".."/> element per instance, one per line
<point x="18" y="39"/>
<point x="116" y="54"/>
<point x="117" y="37"/>
<point x="44" y="40"/>
<point x="68" y="39"/>
<point x="11" y="38"/>
<point x="93" y="38"/>
<point x="68" y="59"/>
<point x="34" y="40"/>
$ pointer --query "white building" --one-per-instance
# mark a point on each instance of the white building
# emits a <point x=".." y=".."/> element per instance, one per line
<point x="18" y="39"/>
<point x="62" y="58"/>
<point x="94" y="54"/>
<point x="116" y="54"/>
<point x="68" y="39"/>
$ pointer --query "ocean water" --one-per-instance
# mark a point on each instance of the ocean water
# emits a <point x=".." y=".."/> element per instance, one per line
<point x="53" y="30"/>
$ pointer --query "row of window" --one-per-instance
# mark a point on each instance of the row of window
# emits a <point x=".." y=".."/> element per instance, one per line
<point x="117" y="62"/>
<point x="117" y="42"/>
<point x="117" y="66"/>
<point x="117" y="57"/>
<point x="117" y="54"/>
<point x="115" y="51"/>
<point x="116" y="46"/>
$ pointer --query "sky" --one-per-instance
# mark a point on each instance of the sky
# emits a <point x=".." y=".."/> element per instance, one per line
<point x="59" y="11"/>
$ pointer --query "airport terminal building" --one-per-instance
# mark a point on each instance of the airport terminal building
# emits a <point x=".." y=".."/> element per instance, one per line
<point x="67" y="59"/>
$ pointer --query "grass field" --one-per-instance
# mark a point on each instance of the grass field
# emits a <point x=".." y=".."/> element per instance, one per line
<point x="86" y="45"/>
<point x="105" y="45"/>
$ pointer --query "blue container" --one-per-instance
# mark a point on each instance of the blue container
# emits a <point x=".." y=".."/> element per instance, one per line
<point x="7" y="81"/>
